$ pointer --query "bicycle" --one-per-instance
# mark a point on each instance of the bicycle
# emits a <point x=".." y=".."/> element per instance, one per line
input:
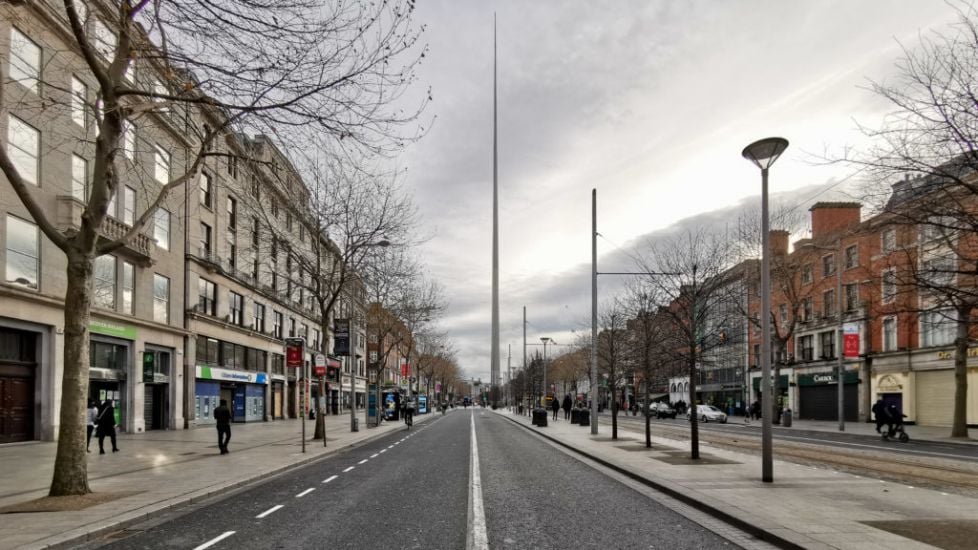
<point x="409" y="417"/>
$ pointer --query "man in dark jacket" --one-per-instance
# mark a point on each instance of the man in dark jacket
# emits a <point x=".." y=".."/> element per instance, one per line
<point x="879" y="414"/>
<point x="567" y="406"/>
<point x="555" y="405"/>
<point x="223" y="417"/>
<point x="105" y="426"/>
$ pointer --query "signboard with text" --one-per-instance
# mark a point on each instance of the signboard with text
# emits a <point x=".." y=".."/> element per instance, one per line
<point x="341" y="338"/>
<point x="850" y="340"/>
<point x="319" y="365"/>
<point x="294" y="351"/>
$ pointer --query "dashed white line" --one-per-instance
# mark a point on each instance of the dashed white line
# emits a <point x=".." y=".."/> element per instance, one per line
<point x="214" y="541"/>
<point x="375" y="455"/>
<point x="348" y="469"/>
<point x="364" y="461"/>
<point x="330" y="478"/>
<point x="306" y="492"/>
<point x="269" y="512"/>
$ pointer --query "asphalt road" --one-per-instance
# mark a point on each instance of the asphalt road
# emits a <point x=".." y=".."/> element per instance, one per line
<point x="935" y="449"/>
<point x="412" y="489"/>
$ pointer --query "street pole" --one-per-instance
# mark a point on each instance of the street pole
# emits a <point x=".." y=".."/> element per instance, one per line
<point x="494" y="366"/>
<point x="839" y="263"/>
<point x="525" y="371"/>
<point x="543" y="400"/>
<point x="305" y="398"/>
<point x="353" y="379"/>
<point x="594" y="311"/>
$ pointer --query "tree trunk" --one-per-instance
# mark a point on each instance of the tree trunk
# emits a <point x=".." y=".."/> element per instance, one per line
<point x="614" y="406"/>
<point x="320" y="431"/>
<point x="959" y="426"/>
<point x="71" y="462"/>
<point x="648" y="419"/>
<point x="694" y="427"/>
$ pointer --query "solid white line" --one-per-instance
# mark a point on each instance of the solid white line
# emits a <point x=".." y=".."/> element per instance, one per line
<point x="306" y="492"/>
<point x="364" y="461"/>
<point x="479" y="538"/>
<point x="375" y="455"/>
<point x="330" y="478"/>
<point x="214" y="541"/>
<point x="269" y="512"/>
<point x="348" y="469"/>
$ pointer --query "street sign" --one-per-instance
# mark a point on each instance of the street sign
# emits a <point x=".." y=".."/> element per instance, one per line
<point x="341" y="338"/>
<point x="294" y="351"/>
<point x="319" y="365"/>
<point x="850" y="339"/>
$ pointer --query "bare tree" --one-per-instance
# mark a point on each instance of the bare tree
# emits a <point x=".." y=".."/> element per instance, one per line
<point x="209" y="70"/>
<point x="648" y="329"/>
<point x="612" y="354"/>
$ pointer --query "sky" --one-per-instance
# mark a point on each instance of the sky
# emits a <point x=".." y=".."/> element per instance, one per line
<point x="650" y="103"/>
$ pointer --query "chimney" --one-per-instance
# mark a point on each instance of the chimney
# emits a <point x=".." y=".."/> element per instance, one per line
<point x="778" y="238"/>
<point x="831" y="217"/>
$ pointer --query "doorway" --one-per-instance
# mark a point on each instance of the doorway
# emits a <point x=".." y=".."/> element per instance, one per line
<point x="155" y="406"/>
<point x="17" y="376"/>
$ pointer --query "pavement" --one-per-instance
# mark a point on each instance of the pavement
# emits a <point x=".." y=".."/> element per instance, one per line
<point x="805" y="506"/>
<point x="160" y="470"/>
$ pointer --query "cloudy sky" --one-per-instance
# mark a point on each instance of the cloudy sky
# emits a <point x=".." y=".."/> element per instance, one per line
<point x="650" y="102"/>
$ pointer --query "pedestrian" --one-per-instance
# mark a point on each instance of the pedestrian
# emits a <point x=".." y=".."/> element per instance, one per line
<point x="567" y="406"/>
<point x="879" y="414"/>
<point x="555" y="405"/>
<point x="91" y="418"/>
<point x="105" y="423"/>
<point x="223" y="417"/>
<point x="756" y="410"/>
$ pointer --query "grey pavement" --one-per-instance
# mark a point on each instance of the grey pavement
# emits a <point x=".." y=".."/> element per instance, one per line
<point x="162" y="470"/>
<point x="805" y="506"/>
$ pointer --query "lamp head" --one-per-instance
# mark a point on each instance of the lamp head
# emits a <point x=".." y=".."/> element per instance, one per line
<point x="764" y="152"/>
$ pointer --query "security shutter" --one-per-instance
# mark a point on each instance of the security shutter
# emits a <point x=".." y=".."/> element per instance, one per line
<point x="935" y="398"/>
<point x="822" y="402"/>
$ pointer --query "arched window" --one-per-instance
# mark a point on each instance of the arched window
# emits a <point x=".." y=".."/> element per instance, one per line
<point x="686" y="387"/>
<point x="674" y="388"/>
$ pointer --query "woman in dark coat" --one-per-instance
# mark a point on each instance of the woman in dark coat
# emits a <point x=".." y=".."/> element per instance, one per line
<point x="106" y="427"/>
<point x="567" y="406"/>
<point x="555" y="405"/>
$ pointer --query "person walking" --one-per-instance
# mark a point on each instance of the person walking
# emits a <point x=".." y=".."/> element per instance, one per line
<point x="105" y="423"/>
<point x="555" y="405"/>
<point x="91" y="418"/>
<point x="223" y="417"/>
<point x="879" y="414"/>
<point x="567" y="406"/>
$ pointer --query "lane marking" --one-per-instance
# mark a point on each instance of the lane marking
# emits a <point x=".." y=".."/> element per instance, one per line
<point x="391" y="447"/>
<point x="478" y="539"/>
<point x="270" y="511"/>
<point x="375" y="455"/>
<point x="306" y="492"/>
<point x="382" y="451"/>
<point x="363" y="461"/>
<point x="348" y="469"/>
<point x="214" y="541"/>
<point x="330" y="478"/>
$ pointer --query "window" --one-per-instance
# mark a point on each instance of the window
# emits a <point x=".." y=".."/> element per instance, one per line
<point x="128" y="288"/>
<point x="304" y="332"/>
<point x="939" y="272"/>
<point x="291" y="327"/>
<point x="23" y="252"/>
<point x="828" y="303"/>
<point x="852" y="256"/>
<point x="827" y="341"/>
<point x="159" y="93"/>
<point x="236" y="307"/>
<point x="161" y="298"/>
<point x="23" y="144"/>
<point x="315" y="339"/>
<point x="206" y="296"/>
<point x="129" y="140"/>
<point x="807" y="346"/>
<point x="161" y="228"/>
<point x="807" y="309"/>
<point x="937" y="230"/>
<point x="25" y="60"/>
<point x="807" y="274"/>
<point x="128" y="205"/>
<point x="255" y="273"/>
<point x="232" y="166"/>
<point x="255" y="187"/>
<point x="259" y="318"/>
<point x="888" y="242"/>
<point x="828" y="265"/>
<point x="302" y="233"/>
<point x="232" y="249"/>
<point x="274" y="208"/>
<point x="783" y="315"/>
<point x="937" y="328"/>
<point x="277" y="327"/>
<point x="206" y="190"/>
<point x="288" y="221"/>
<point x="79" y="97"/>
<point x="162" y="168"/>
<point x="890" y="334"/>
<point x="255" y="231"/>
<point x="104" y="287"/>
<point x="278" y="363"/>
<point x="852" y="296"/>
<point x="232" y="214"/>
<point x="889" y="286"/>
<point x="79" y="178"/>
<point x="205" y="240"/>
<point x="104" y="40"/>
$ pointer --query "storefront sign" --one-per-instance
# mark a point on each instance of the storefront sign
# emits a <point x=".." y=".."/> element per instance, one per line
<point x="850" y="339"/>
<point x="214" y="373"/>
<point x="112" y="329"/>
<point x="319" y="365"/>
<point x="889" y="384"/>
<point x="972" y="352"/>
<point x="341" y="338"/>
<point x="294" y="352"/>
<point x="821" y="379"/>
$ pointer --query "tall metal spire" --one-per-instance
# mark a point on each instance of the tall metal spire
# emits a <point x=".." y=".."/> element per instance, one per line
<point x="495" y="229"/>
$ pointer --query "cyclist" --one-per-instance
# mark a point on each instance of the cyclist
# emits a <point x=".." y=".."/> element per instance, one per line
<point x="409" y="412"/>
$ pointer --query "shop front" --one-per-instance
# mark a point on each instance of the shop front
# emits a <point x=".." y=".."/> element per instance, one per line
<point x="244" y="392"/>
<point x="19" y="378"/>
<point x="110" y="352"/>
<point x="818" y="396"/>
<point x="922" y="385"/>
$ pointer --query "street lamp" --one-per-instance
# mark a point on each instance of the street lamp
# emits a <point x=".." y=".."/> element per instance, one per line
<point x="545" y="340"/>
<point x="763" y="153"/>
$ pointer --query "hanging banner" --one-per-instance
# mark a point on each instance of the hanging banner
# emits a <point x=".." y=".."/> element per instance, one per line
<point x="850" y="339"/>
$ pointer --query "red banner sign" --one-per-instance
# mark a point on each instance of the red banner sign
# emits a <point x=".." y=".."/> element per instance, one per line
<point x="319" y="370"/>
<point x="404" y="369"/>
<point x="850" y="340"/>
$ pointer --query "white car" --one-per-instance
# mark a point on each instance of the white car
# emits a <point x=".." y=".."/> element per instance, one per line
<point x="707" y="413"/>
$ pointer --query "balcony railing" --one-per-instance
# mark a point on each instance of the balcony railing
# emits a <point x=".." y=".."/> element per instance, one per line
<point x="140" y="247"/>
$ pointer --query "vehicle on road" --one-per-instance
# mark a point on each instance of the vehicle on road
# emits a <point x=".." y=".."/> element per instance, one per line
<point x="662" y="410"/>
<point x="707" y="413"/>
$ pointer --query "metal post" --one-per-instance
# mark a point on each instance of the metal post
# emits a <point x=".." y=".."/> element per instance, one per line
<point x="543" y="400"/>
<point x="594" y="311"/>
<point x="525" y="371"/>
<point x="767" y="461"/>
<point x="353" y="378"/>
<point x="305" y="382"/>
<point x="839" y="262"/>
<point x="494" y="364"/>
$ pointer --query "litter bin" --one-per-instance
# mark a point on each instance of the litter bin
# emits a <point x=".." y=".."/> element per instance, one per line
<point x="584" y="417"/>
<point x="786" y="418"/>
<point x="540" y="417"/>
<point x="575" y="416"/>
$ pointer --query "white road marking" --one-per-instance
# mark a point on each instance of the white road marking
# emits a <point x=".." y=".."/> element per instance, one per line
<point x="348" y="469"/>
<point x="382" y="451"/>
<point x="306" y="492"/>
<point x="214" y="541"/>
<point x="478" y="539"/>
<point x="364" y="461"/>
<point x="330" y="478"/>
<point x="269" y="512"/>
<point x="375" y="455"/>
<point x="392" y="446"/>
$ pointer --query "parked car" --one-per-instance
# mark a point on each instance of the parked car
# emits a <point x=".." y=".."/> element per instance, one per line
<point x="707" y="413"/>
<point x="662" y="410"/>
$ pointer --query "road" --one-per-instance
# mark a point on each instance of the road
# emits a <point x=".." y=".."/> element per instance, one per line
<point x="418" y="489"/>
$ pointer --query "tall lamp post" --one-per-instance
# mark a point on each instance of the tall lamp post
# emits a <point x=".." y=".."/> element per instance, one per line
<point x="763" y="153"/>
<point x="545" y="340"/>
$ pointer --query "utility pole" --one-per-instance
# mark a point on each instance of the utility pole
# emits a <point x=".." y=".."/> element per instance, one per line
<point x="594" y="311"/>
<point x="494" y="371"/>
<point x="525" y="371"/>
